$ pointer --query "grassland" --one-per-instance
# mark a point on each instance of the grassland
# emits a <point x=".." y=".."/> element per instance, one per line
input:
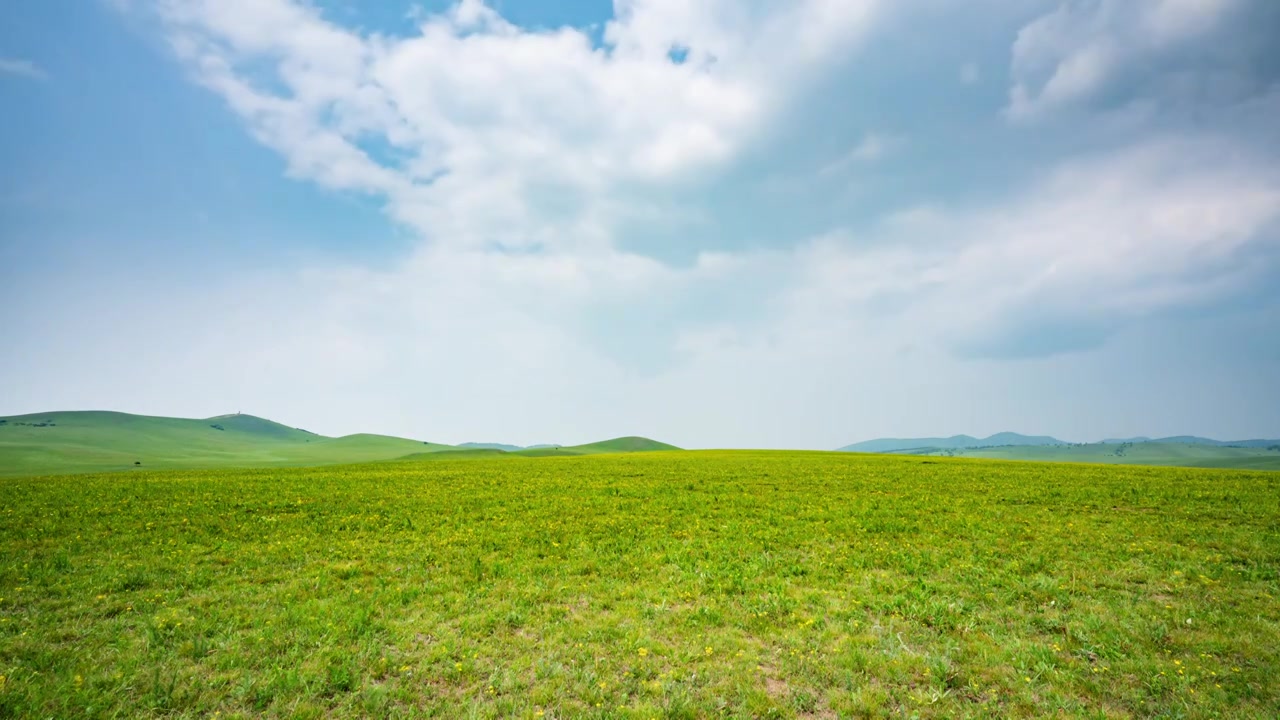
<point x="675" y="585"/>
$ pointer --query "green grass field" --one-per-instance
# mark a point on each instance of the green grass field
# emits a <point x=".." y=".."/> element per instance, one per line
<point x="659" y="585"/>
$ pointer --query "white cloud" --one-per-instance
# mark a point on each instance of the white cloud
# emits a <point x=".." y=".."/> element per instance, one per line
<point x="1072" y="53"/>
<point x="22" y="68"/>
<point x="1099" y="243"/>
<point x="501" y="129"/>
<point x="489" y="118"/>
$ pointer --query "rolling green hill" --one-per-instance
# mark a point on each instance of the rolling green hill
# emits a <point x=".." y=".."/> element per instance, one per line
<point x="65" y="442"/>
<point x="95" y="441"/>
<point x="619" y="445"/>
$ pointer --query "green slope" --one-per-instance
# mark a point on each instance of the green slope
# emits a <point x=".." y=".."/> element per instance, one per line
<point x="258" y="427"/>
<point x="66" y="442"/>
<point x="630" y="444"/>
<point x="95" y="441"/>
<point x="621" y="445"/>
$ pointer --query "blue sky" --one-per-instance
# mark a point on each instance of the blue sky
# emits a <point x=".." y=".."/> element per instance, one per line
<point x="721" y="224"/>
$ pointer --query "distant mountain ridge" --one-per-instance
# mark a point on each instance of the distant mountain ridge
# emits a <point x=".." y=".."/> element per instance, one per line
<point x="1011" y="439"/>
<point x="1193" y="440"/>
<point x="504" y="446"/>
<point x="616" y="445"/>
<point x="955" y="442"/>
<point x="491" y="446"/>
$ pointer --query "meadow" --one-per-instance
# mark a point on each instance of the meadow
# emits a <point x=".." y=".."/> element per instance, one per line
<point x="656" y="585"/>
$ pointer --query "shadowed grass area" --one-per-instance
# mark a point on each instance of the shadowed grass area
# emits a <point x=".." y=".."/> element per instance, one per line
<point x="678" y="585"/>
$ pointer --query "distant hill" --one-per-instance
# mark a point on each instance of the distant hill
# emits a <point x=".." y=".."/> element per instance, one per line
<point x="491" y="446"/>
<point x="506" y="447"/>
<point x="616" y="445"/>
<point x="620" y="445"/>
<point x="459" y="454"/>
<point x="1009" y="439"/>
<point x="260" y="427"/>
<point x="1193" y="440"/>
<point x="955" y="442"/>
<point x="91" y="441"/>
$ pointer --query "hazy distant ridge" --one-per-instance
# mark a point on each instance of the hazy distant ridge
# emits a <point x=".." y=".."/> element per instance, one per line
<point x="955" y="442"/>
<point x="1010" y="439"/>
<point x="491" y="446"/>
<point x="505" y="447"/>
<point x="1192" y="440"/>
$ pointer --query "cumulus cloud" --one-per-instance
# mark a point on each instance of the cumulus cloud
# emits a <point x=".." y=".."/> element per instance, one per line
<point x="485" y="119"/>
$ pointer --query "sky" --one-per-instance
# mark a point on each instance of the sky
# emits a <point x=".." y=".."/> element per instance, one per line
<point x="725" y="223"/>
